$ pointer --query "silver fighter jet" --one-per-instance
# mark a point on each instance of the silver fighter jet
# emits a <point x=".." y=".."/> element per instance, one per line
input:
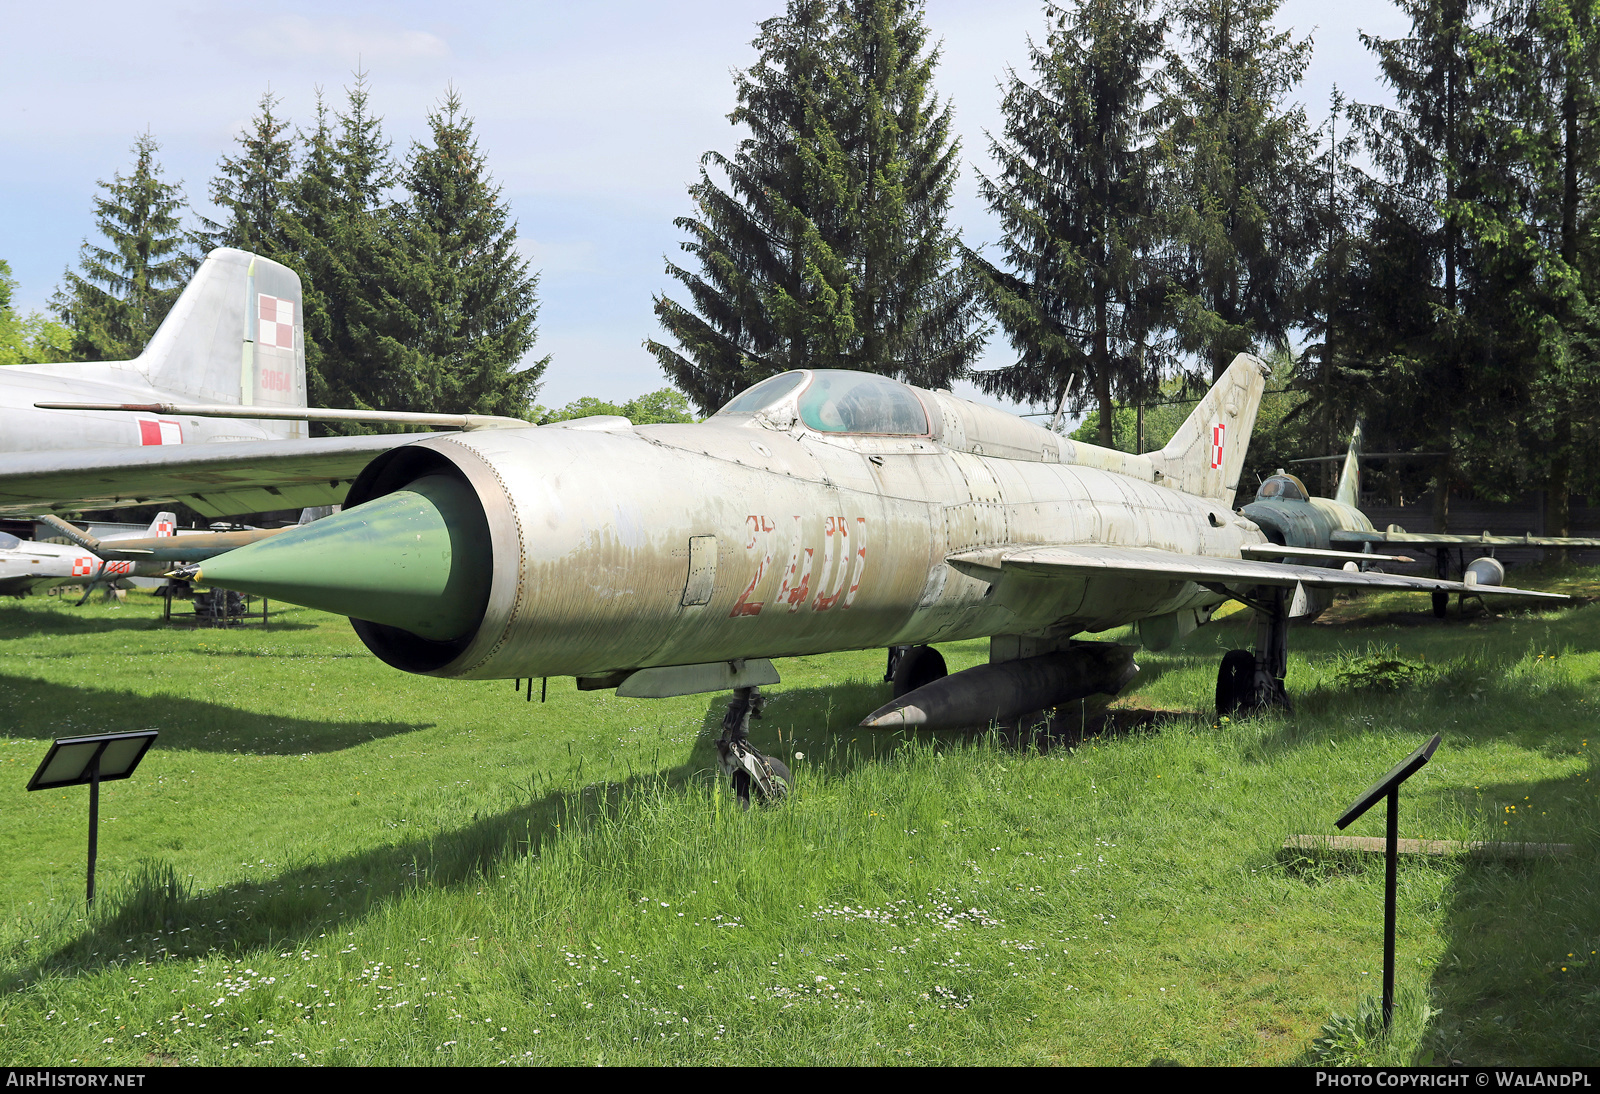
<point x="819" y="510"/>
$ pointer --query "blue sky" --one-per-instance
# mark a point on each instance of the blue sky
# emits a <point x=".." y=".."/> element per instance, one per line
<point x="593" y="118"/>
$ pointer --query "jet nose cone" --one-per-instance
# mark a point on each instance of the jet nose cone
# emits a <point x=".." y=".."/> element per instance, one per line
<point x="417" y="559"/>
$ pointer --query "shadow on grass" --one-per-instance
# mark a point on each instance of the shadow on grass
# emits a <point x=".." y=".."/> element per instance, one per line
<point x="1474" y="696"/>
<point x="30" y="707"/>
<point x="145" y="918"/>
<point x="823" y="723"/>
<point x="1519" y="981"/>
<point x="156" y="910"/>
<point x="16" y="622"/>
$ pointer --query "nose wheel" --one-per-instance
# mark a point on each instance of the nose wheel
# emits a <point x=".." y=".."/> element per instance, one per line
<point x="753" y="774"/>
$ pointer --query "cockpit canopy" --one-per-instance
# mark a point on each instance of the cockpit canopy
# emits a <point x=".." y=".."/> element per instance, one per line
<point x="840" y="401"/>
<point x="1284" y="488"/>
<point x="9" y="542"/>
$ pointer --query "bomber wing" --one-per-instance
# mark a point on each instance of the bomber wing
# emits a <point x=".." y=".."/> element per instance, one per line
<point x="213" y="479"/>
<point x="1080" y="561"/>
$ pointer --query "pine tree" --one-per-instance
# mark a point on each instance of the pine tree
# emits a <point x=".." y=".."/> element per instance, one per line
<point x="463" y="317"/>
<point x="1076" y="198"/>
<point x="771" y="294"/>
<point x="127" y="286"/>
<point x="252" y="188"/>
<point x="913" y="308"/>
<point x="828" y="248"/>
<point x="1452" y="170"/>
<point x="337" y="224"/>
<point x="1240" y="202"/>
<point x="1330" y="305"/>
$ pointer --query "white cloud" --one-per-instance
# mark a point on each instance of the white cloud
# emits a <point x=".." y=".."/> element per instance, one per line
<point x="345" y="41"/>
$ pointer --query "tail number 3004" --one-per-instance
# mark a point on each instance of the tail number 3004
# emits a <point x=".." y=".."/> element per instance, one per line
<point x="844" y="555"/>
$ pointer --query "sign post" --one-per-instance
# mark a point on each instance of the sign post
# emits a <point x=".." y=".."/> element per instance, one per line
<point x="75" y="761"/>
<point x="1389" y="787"/>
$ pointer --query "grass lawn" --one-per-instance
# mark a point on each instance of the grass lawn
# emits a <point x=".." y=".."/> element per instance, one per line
<point x="324" y="860"/>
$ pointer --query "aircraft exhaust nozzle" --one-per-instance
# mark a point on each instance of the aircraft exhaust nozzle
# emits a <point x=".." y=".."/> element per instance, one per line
<point x="417" y="559"/>
<point x="1002" y="692"/>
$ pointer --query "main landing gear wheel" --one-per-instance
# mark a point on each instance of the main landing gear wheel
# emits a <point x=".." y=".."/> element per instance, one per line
<point x="1253" y="680"/>
<point x="752" y="773"/>
<point x="1235" y="679"/>
<point x="917" y="666"/>
<point x="1441" y="604"/>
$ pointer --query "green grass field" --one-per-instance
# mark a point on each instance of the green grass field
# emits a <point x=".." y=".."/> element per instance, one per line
<point x="324" y="860"/>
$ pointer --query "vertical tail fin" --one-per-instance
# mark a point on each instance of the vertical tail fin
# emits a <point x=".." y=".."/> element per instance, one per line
<point x="1349" y="492"/>
<point x="1206" y="456"/>
<point x="236" y="335"/>
<point x="165" y="524"/>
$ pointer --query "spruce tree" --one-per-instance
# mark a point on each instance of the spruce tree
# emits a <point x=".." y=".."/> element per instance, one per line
<point x="337" y="224"/>
<point x="252" y="188"/>
<point x="127" y="285"/>
<point x="1240" y="205"/>
<point x="1450" y="176"/>
<point x="1537" y="237"/>
<point x="914" y="311"/>
<point x="828" y="246"/>
<point x="1076" y="198"/>
<point x="770" y="295"/>
<point x="463" y="313"/>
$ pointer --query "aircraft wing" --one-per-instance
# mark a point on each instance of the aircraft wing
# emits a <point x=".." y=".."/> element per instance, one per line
<point x="1080" y="561"/>
<point x="214" y="479"/>
<point x="1430" y="539"/>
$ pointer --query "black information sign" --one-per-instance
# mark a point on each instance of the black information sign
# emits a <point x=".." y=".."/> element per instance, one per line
<point x="1389" y="787"/>
<point x="76" y="761"/>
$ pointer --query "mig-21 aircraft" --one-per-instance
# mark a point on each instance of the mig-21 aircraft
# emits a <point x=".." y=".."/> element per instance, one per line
<point x="819" y="510"/>
<point x="1287" y="513"/>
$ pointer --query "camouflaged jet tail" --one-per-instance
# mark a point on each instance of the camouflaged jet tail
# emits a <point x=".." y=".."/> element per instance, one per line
<point x="1349" y="492"/>
<point x="1206" y="456"/>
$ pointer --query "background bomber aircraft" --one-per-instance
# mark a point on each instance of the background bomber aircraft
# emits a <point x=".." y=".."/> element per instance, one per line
<point x="218" y="416"/>
<point x="819" y="510"/>
<point x="28" y="566"/>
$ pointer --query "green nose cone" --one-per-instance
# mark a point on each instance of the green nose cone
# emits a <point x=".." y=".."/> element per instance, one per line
<point x="418" y="559"/>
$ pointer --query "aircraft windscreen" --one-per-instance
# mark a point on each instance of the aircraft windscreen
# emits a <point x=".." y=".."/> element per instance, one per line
<point x="837" y="401"/>
<point x="9" y="542"/>
<point x="1283" y="486"/>
<point x="763" y="394"/>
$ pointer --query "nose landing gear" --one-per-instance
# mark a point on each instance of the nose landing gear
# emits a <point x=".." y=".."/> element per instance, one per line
<point x="752" y="773"/>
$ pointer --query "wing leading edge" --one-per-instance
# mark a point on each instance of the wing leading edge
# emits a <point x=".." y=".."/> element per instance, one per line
<point x="214" y="479"/>
<point x="1082" y="561"/>
<point x="1430" y="539"/>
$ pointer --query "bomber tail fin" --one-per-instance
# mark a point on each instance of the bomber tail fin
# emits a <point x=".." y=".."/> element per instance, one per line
<point x="236" y="335"/>
<point x="165" y="524"/>
<point x="1349" y="492"/>
<point x="1206" y="456"/>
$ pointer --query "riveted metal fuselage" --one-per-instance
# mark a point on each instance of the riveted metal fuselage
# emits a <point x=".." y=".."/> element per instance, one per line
<point x="626" y="548"/>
